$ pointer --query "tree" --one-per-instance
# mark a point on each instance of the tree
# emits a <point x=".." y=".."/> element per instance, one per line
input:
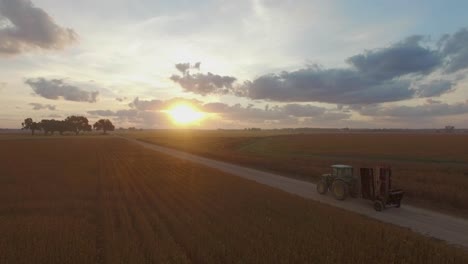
<point x="78" y="124"/>
<point x="30" y="124"/>
<point x="449" y="129"/>
<point x="104" y="125"/>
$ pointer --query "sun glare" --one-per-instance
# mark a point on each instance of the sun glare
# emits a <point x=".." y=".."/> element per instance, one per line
<point x="185" y="114"/>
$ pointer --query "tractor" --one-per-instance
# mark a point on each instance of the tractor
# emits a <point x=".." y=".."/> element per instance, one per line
<point x="371" y="184"/>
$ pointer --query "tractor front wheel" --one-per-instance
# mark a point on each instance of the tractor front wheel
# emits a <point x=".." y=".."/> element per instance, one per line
<point x="378" y="205"/>
<point x="322" y="187"/>
<point x="340" y="190"/>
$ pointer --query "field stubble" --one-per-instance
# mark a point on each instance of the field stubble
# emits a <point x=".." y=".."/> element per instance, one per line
<point x="431" y="168"/>
<point x="107" y="201"/>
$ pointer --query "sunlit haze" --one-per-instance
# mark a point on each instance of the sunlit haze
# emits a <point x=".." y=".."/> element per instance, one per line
<point x="185" y="114"/>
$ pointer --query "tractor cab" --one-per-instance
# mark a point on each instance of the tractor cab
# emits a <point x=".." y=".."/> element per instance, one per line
<point x="342" y="171"/>
<point x="340" y="182"/>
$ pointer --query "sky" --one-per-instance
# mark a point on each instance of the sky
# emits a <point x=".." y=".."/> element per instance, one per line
<point x="246" y="63"/>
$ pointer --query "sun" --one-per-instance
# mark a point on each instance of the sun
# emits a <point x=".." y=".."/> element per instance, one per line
<point x="183" y="114"/>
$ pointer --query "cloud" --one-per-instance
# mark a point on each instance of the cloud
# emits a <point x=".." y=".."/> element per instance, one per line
<point x="144" y="105"/>
<point x="340" y="86"/>
<point x="303" y="110"/>
<point x="283" y="113"/>
<point x="121" y="99"/>
<point x="26" y="27"/>
<point x="102" y="113"/>
<point x="200" y="83"/>
<point x="156" y="105"/>
<point x="382" y="75"/>
<point x="430" y="109"/>
<point x="183" y="67"/>
<point x="56" y="88"/>
<point x="37" y="106"/>
<point x="400" y="71"/>
<point x="150" y="113"/>
<point x="397" y="60"/>
<point x="434" y="88"/>
<point x="135" y="117"/>
<point x="455" y="50"/>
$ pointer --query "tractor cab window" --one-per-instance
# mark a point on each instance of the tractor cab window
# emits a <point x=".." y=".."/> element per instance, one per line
<point x="343" y="172"/>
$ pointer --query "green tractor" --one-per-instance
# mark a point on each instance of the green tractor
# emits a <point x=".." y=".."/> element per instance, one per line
<point x="340" y="182"/>
<point x="373" y="184"/>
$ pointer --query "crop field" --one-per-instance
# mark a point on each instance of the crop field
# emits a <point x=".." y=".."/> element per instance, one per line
<point x="104" y="200"/>
<point x="431" y="168"/>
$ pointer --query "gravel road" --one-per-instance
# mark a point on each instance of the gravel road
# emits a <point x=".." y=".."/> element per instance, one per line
<point x="444" y="227"/>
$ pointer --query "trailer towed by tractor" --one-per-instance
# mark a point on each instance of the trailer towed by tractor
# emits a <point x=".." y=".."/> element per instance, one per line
<point x="371" y="184"/>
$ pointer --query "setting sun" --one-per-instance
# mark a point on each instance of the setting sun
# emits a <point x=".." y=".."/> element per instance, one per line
<point x="185" y="114"/>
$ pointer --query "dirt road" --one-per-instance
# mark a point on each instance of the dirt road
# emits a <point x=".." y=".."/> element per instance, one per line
<point x="433" y="224"/>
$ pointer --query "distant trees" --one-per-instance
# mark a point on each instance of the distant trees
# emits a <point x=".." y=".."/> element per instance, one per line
<point x="78" y="123"/>
<point x="104" y="125"/>
<point x="449" y="129"/>
<point x="31" y="125"/>
<point x="50" y="126"/>
<point x="75" y="124"/>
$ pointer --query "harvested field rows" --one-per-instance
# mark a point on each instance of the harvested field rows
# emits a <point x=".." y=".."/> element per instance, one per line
<point x="431" y="168"/>
<point x="108" y="201"/>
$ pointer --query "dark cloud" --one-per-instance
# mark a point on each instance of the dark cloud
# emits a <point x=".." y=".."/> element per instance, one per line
<point x="430" y="109"/>
<point x="144" y="105"/>
<point x="56" y="88"/>
<point x="397" y="60"/>
<point x="183" y="67"/>
<point x="340" y="86"/>
<point x="200" y="83"/>
<point x="388" y="74"/>
<point x="216" y="107"/>
<point x="434" y="88"/>
<point x="204" y="84"/>
<point x="26" y="27"/>
<point x="299" y="110"/>
<point x="37" y="106"/>
<point x="376" y="76"/>
<point x="455" y="49"/>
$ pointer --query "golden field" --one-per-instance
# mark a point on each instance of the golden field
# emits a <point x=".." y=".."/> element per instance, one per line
<point x="104" y="200"/>
<point x="431" y="168"/>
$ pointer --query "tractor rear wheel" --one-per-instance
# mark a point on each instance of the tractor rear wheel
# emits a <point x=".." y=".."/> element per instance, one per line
<point x="340" y="189"/>
<point x="378" y="205"/>
<point x="322" y="187"/>
<point x="354" y="192"/>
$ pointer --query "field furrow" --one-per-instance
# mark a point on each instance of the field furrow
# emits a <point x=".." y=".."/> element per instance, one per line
<point x="100" y="200"/>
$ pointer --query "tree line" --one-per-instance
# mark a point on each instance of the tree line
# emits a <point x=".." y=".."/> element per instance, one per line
<point x="75" y="124"/>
